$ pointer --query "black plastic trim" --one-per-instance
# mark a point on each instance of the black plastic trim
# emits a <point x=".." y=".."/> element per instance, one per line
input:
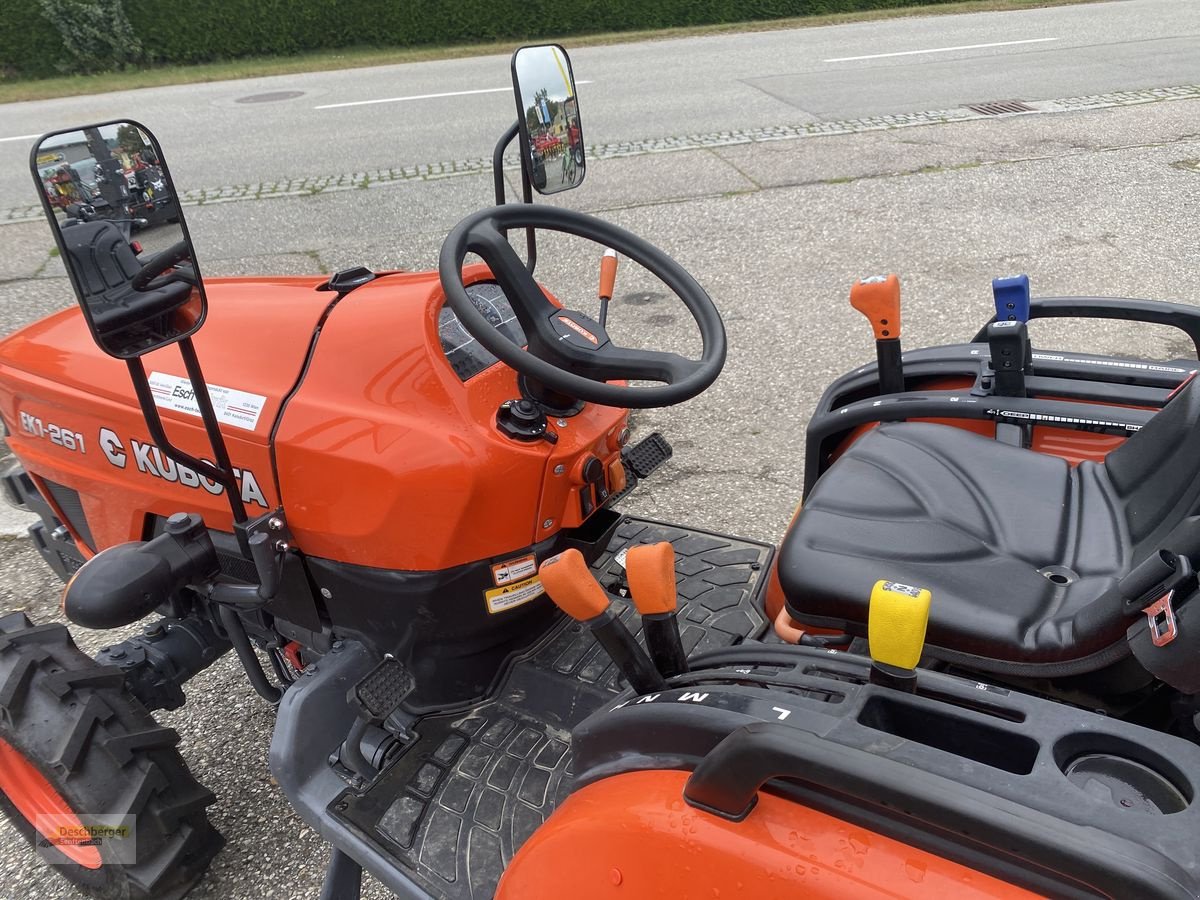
<point x="1150" y="312"/>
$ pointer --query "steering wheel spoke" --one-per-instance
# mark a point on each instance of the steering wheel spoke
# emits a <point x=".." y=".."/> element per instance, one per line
<point x="643" y="365"/>
<point x="529" y="302"/>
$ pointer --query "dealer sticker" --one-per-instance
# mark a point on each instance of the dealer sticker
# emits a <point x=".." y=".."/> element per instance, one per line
<point x="233" y="407"/>
<point x="514" y="570"/>
<point x="513" y="595"/>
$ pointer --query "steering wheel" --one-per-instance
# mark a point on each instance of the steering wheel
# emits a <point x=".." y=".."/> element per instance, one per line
<point x="163" y="261"/>
<point x="569" y="352"/>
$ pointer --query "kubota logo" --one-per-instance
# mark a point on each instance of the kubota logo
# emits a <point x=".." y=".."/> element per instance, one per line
<point x="149" y="460"/>
<point x="579" y="329"/>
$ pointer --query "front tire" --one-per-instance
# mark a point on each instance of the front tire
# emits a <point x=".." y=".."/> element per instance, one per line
<point x="74" y="741"/>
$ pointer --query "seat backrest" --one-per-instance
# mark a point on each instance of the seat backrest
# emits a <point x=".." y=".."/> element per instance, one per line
<point x="102" y="256"/>
<point x="1156" y="473"/>
<point x="106" y="265"/>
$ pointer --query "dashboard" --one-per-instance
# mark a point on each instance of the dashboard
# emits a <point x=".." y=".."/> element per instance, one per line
<point x="466" y="355"/>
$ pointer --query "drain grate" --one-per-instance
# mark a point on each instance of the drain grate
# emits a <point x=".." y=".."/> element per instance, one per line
<point x="1001" y="107"/>
<point x="272" y="97"/>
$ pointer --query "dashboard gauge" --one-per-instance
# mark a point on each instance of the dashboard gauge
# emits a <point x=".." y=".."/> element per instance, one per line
<point x="466" y="355"/>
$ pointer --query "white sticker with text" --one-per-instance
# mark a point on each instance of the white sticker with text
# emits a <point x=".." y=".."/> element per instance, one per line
<point x="233" y="407"/>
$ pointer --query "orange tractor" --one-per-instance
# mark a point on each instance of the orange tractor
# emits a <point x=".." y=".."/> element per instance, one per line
<point x="968" y="670"/>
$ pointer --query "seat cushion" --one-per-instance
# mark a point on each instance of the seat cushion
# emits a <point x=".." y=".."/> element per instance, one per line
<point x="1014" y="545"/>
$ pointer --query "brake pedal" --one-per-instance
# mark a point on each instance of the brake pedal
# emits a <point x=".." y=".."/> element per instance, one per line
<point x="647" y="454"/>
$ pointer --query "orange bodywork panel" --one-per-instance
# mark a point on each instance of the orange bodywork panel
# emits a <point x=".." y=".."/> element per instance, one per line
<point x="1074" y="446"/>
<point x="632" y="836"/>
<point x="73" y="418"/>
<point x="379" y="453"/>
<point x="387" y="459"/>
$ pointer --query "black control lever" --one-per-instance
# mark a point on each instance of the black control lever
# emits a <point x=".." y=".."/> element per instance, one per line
<point x="1009" y="345"/>
<point x="650" y="570"/>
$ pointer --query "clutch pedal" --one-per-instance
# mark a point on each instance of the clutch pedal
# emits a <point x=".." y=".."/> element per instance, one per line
<point x="382" y="690"/>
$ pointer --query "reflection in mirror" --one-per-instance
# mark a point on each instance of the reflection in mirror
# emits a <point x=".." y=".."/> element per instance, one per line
<point x="108" y="194"/>
<point x="548" y="115"/>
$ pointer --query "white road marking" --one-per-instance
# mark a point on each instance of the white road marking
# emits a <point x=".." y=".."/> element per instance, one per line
<point x="20" y="137"/>
<point x="940" y="50"/>
<point x="499" y="90"/>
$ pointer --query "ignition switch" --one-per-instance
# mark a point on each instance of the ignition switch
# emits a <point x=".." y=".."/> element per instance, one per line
<point x="521" y="420"/>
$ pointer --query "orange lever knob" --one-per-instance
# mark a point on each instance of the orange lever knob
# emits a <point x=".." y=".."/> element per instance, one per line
<point x="878" y="298"/>
<point x="650" y="569"/>
<point x="608" y="274"/>
<point x="571" y="585"/>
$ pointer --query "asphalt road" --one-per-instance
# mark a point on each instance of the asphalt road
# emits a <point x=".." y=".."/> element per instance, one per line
<point x="635" y="91"/>
<point x="1099" y="201"/>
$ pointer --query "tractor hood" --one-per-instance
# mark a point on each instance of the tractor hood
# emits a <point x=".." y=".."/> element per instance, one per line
<point x="253" y="345"/>
<point x="383" y="450"/>
<point x="74" y="422"/>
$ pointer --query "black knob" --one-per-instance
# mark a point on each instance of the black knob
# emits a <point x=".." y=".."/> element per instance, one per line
<point x="521" y="420"/>
<point x="593" y="470"/>
<point x="526" y="411"/>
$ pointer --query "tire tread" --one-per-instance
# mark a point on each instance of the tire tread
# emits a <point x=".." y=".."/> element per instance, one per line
<point x="106" y="754"/>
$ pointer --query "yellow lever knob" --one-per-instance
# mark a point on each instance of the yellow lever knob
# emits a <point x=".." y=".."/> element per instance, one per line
<point x="896" y="622"/>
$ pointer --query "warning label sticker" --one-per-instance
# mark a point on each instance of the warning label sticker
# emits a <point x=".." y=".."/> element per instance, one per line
<point x="621" y="557"/>
<point x="232" y="407"/>
<point x="514" y="570"/>
<point x="513" y="595"/>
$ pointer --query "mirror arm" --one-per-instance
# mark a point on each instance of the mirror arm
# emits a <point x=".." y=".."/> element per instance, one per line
<point x="498" y="162"/>
<point x="526" y="188"/>
<point x="222" y="472"/>
<point x="209" y="416"/>
<point x="530" y="238"/>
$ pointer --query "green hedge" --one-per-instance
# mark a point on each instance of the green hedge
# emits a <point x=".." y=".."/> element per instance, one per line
<point x="29" y="45"/>
<point x="36" y="35"/>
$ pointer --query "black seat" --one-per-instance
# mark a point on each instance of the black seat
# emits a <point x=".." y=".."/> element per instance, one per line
<point x="1021" y="551"/>
<point x="106" y="266"/>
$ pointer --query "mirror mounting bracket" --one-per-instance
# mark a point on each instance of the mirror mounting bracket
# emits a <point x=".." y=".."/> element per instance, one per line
<point x="269" y="540"/>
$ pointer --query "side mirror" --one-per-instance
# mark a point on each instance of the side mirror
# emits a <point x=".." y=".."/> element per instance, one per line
<point x="548" y="117"/>
<point x="98" y="185"/>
